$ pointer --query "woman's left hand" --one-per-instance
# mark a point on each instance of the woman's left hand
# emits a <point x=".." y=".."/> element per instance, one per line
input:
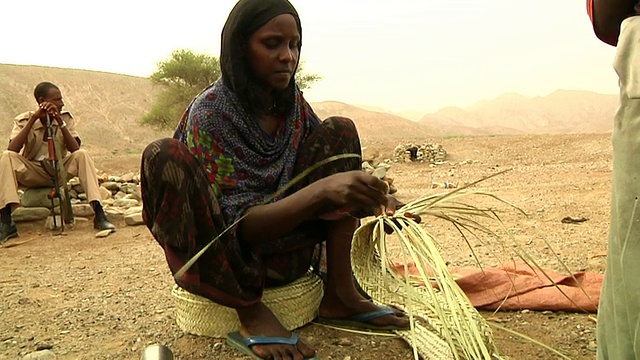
<point x="394" y="204"/>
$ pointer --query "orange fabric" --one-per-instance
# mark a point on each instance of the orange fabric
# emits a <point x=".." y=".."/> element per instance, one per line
<point x="519" y="287"/>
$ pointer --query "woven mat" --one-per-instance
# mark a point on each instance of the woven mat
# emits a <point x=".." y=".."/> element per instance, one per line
<point x="295" y="305"/>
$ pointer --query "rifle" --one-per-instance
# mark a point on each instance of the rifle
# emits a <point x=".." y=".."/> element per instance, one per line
<point x="58" y="176"/>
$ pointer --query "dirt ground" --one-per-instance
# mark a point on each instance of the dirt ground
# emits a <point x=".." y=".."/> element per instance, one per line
<point x="88" y="298"/>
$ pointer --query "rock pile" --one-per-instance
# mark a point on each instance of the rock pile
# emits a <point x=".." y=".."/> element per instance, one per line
<point x="120" y="195"/>
<point x="428" y="152"/>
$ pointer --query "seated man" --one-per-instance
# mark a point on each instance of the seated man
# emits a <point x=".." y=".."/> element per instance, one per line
<point x="28" y="146"/>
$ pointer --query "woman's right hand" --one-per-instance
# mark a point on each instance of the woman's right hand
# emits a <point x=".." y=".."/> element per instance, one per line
<point x="354" y="189"/>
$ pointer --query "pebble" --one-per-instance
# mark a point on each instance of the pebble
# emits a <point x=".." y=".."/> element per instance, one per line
<point x="593" y="346"/>
<point x="344" y="342"/>
<point x="134" y="219"/>
<point x="104" y="233"/>
<point x="40" y="355"/>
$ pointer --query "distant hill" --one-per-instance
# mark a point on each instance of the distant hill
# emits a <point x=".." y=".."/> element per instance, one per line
<point x="108" y="105"/>
<point x="563" y="111"/>
<point x="374" y="125"/>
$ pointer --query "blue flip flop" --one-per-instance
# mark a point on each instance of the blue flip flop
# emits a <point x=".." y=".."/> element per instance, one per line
<point x="362" y="321"/>
<point x="244" y="344"/>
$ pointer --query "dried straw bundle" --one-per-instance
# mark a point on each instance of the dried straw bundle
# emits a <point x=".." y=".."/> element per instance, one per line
<point x="445" y="325"/>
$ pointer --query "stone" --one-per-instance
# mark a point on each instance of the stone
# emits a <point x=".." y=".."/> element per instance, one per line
<point x="137" y="193"/>
<point x="132" y="210"/>
<point x="82" y="196"/>
<point x="108" y="202"/>
<point x="132" y="197"/>
<point x="120" y="195"/>
<point x="104" y="193"/>
<point x="124" y="187"/>
<point x="37" y="197"/>
<point x="111" y="185"/>
<point x="134" y="219"/>
<point x="74" y="182"/>
<point x="104" y="233"/>
<point x="49" y="224"/>
<point x="73" y="194"/>
<point x="78" y="188"/>
<point x="113" y="211"/>
<point x="128" y="177"/>
<point x="23" y="214"/>
<point x="82" y="210"/>
<point x="125" y="203"/>
<point x="40" y="355"/>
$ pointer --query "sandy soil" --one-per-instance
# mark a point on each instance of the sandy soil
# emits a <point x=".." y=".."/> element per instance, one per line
<point x="89" y="298"/>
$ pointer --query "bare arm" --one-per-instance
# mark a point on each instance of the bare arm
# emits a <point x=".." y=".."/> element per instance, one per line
<point x="354" y="189"/>
<point x="265" y="223"/>
<point x="608" y="16"/>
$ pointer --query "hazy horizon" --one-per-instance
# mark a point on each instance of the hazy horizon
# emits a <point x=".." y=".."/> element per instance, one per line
<point x="409" y="56"/>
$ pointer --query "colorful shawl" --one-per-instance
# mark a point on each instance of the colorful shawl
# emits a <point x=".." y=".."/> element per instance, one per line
<point x="243" y="162"/>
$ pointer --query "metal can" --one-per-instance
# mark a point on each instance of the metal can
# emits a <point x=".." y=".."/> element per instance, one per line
<point x="157" y="352"/>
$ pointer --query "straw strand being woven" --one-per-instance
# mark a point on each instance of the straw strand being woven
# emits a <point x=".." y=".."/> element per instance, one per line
<point x="445" y="325"/>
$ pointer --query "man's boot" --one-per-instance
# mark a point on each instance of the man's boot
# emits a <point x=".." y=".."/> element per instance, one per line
<point x="100" y="220"/>
<point x="8" y="229"/>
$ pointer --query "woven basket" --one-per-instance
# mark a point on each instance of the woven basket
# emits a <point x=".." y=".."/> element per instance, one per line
<point x="295" y="305"/>
<point x="427" y="338"/>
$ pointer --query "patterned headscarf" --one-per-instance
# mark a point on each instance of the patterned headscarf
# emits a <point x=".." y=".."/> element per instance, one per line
<point x="243" y="162"/>
<point x="245" y="18"/>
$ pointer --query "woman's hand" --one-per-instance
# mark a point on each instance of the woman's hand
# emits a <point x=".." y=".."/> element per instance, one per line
<point x="353" y="190"/>
<point x="394" y="204"/>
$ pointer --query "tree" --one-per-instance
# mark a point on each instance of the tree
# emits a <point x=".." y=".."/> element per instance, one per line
<point x="303" y="80"/>
<point x="182" y="77"/>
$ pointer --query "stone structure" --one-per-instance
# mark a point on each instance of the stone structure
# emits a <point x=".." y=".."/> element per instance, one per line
<point x="428" y="152"/>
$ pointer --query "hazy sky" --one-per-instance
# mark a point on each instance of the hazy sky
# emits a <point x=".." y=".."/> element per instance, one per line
<point x="400" y="55"/>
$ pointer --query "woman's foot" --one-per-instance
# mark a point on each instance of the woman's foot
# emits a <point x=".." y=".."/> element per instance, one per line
<point x="346" y="302"/>
<point x="258" y="320"/>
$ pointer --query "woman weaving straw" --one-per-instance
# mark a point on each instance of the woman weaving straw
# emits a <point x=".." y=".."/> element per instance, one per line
<point x="243" y="138"/>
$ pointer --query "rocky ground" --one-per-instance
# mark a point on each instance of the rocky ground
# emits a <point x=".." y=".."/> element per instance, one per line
<point x="80" y="297"/>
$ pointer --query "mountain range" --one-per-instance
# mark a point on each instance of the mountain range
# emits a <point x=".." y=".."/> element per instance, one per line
<point x="108" y="106"/>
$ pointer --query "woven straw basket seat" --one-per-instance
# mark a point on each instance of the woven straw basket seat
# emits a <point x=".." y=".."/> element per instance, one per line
<point x="295" y="305"/>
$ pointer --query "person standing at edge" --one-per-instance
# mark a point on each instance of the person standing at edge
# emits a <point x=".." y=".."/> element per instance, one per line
<point x="618" y="330"/>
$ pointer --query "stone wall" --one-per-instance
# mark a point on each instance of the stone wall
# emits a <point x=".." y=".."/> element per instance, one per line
<point x="120" y="195"/>
<point x="427" y="152"/>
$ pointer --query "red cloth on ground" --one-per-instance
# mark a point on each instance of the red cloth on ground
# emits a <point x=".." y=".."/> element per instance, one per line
<point x="520" y="287"/>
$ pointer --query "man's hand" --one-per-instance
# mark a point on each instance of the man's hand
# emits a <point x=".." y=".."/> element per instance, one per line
<point x="51" y="109"/>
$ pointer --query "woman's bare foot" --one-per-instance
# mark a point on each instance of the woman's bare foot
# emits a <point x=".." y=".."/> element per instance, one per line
<point x="258" y="320"/>
<point x="346" y="301"/>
